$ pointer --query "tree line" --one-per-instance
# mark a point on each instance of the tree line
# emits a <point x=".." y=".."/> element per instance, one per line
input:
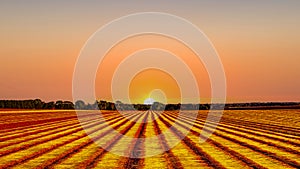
<point x="35" y="104"/>
<point x="104" y="105"/>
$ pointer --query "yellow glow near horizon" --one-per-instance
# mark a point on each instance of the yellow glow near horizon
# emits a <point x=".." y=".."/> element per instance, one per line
<point x="145" y="83"/>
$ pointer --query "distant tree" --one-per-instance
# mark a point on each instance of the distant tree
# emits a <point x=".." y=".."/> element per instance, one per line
<point x="67" y="105"/>
<point x="204" y="106"/>
<point x="38" y="104"/>
<point x="59" y="104"/>
<point x="91" y="106"/>
<point x="50" y="105"/>
<point x="119" y="105"/>
<point x="157" y="106"/>
<point x="173" y="106"/>
<point x="112" y="106"/>
<point x="103" y="105"/>
<point x="80" y="105"/>
<point x="28" y="104"/>
<point x="2" y="104"/>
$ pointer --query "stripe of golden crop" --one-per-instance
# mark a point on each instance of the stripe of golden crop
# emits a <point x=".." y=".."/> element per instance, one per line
<point x="257" y="157"/>
<point x="152" y="144"/>
<point x="157" y="161"/>
<point x="30" y="129"/>
<point x="59" y="150"/>
<point x="267" y="139"/>
<point x="86" y="152"/>
<point x="153" y="150"/>
<point x="22" y="154"/>
<point x="224" y="158"/>
<point x="30" y="142"/>
<point x="79" y="157"/>
<point x="257" y="135"/>
<point x="43" y="158"/>
<point x="265" y="147"/>
<point x="38" y="161"/>
<point x="109" y="160"/>
<point x="132" y="132"/>
<point x="185" y="155"/>
<point x="119" y="147"/>
<point x="254" y="130"/>
<point x="36" y="135"/>
<point x="125" y="143"/>
<point x="109" y="137"/>
<point x="17" y="131"/>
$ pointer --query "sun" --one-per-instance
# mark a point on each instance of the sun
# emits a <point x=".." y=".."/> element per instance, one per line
<point x="149" y="101"/>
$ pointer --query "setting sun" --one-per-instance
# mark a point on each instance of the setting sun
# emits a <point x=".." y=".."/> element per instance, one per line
<point x="149" y="101"/>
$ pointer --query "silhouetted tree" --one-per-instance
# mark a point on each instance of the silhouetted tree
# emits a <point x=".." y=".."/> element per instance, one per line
<point x="67" y="105"/>
<point x="80" y="105"/>
<point x="50" y="105"/>
<point x="58" y="104"/>
<point x="157" y="106"/>
<point x="38" y="104"/>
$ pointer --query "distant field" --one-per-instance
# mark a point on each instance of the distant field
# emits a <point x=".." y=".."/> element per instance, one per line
<point x="243" y="139"/>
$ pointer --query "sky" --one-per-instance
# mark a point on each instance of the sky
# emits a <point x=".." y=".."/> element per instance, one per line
<point x="257" y="42"/>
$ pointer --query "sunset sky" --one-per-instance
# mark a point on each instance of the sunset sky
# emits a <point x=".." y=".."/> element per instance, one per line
<point x="258" y="43"/>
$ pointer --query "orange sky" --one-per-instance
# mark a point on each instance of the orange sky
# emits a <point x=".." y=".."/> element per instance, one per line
<point x="258" y="44"/>
<point x="151" y="79"/>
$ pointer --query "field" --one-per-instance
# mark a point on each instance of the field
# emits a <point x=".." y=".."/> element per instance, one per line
<point x="55" y="139"/>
